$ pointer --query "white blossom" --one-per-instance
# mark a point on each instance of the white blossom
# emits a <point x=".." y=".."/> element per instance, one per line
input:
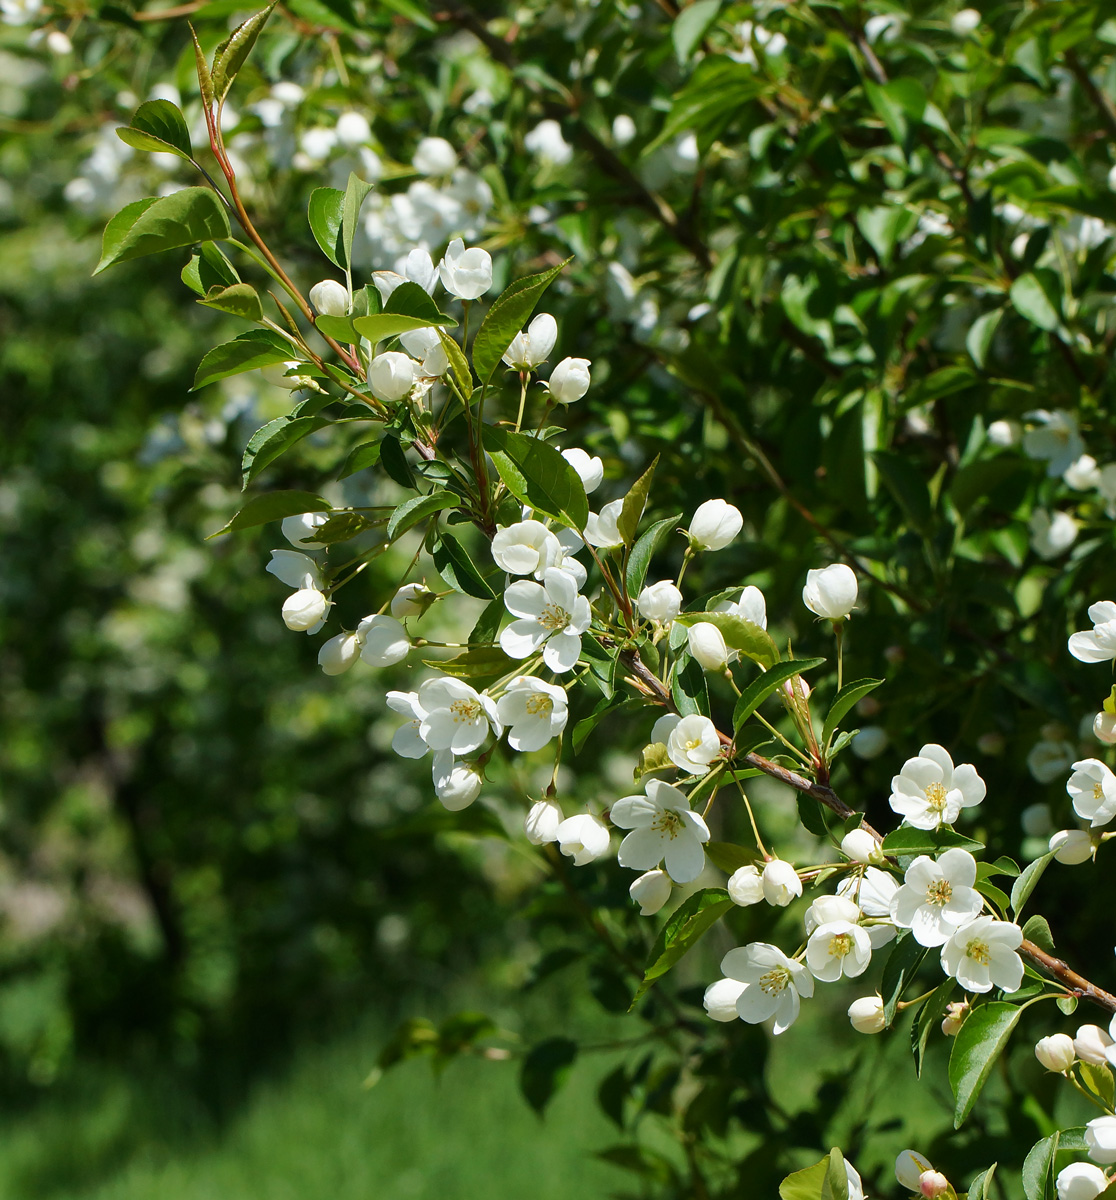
<point x="1048" y="759"/>
<point x="721" y="997"/>
<point x="352" y="130"/>
<point x="408" y="741"/>
<point x="781" y="883"/>
<point x="1080" y="1181"/>
<point x="434" y="156"/>
<point x="383" y="641"/>
<point x="1091" y="1044"/>
<point x="650" y="891"/>
<point x="706" y="644"/>
<point x="1004" y="433"/>
<point x="294" y="569"/>
<point x="1104" y="728"/>
<point x="1099" y="643"/>
<point x="872" y="892"/>
<point x="466" y="274"/>
<point x="546" y="142"/>
<point x="456" y="784"/>
<point x="551" y="615"/>
<point x="937" y="898"/>
<point x="745" y="886"/>
<point x="623" y="129"/>
<point x="569" y="380"/>
<point x="954" y="1018"/>
<point x="772" y="982"/>
<point x="589" y="468"/>
<point x="1100" y="1139"/>
<point x="1054" y="439"/>
<point x="532" y="711"/>
<point x="391" y="375"/>
<point x="542" y="821"/>
<point x="1051" y="533"/>
<point x="982" y="955"/>
<point x="1056" y="1052"/>
<point x="963" y="23"/>
<point x="831" y="591"/>
<point x="1072" y="846"/>
<point x="1083" y="475"/>
<point x="330" y="298"/>
<point x="299" y="530"/>
<point x="750" y="607"/>
<point x="693" y="744"/>
<point x="305" y="611"/>
<point x="526" y="548"/>
<point x="1092" y="789"/>
<point x="866" y="1015"/>
<point x="602" y="529"/>
<point x="664" y="827"/>
<point x="411" y="600"/>
<point x="456" y="717"/>
<point x="337" y="655"/>
<point x="838" y="948"/>
<point x="715" y="525"/>
<point x="660" y="602"/>
<point x="909" y="1168"/>
<point x="860" y="846"/>
<point x="582" y="838"/>
<point x="930" y="791"/>
<point x="532" y="346"/>
<point x="425" y="345"/>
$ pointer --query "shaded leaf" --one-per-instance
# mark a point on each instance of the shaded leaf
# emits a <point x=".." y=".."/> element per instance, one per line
<point x="639" y="560"/>
<point x="906" y="840"/>
<point x="927" y="1019"/>
<point x="1026" y="883"/>
<point x="452" y="562"/>
<point x="365" y="455"/>
<point x="246" y="352"/>
<point x="325" y="212"/>
<point x="849" y="695"/>
<point x="902" y="963"/>
<point x="634" y="503"/>
<point x="274" y="439"/>
<point x="240" y="299"/>
<point x="684" y="929"/>
<point x="418" y="509"/>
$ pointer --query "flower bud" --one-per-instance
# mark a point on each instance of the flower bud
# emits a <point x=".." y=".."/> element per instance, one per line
<point x="1104" y="728"/>
<point x="720" y="999"/>
<point x="434" y="156"/>
<point x="532" y="345"/>
<point x="569" y="380"/>
<point x="932" y="1184"/>
<point x="1072" y="846"/>
<point x="961" y="24"/>
<point x="1056" y="1052"/>
<point x="542" y="821"/>
<point x="383" y="641"/>
<point x="457" y="784"/>
<point x="745" y="886"/>
<point x="304" y="609"/>
<point x="715" y="524"/>
<point x="707" y="645"/>
<point x="830" y="591"/>
<point x="781" y="884"/>
<point x="866" y="1015"/>
<point x="412" y="600"/>
<point x="797" y="684"/>
<point x="1090" y="1042"/>
<point x="861" y="846"/>
<point x="391" y="375"/>
<point x="1100" y="1139"/>
<point x="589" y="468"/>
<point x="954" y="1018"/>
<point x="650" y="891"/>
<point x="583" y="838"/>
<point x="909" y="1169"/>
<point x="660" y="602"/>
<point x="1080" y="1181"/>
<point x="330" y="298"/>
<point x="338" y="654"/>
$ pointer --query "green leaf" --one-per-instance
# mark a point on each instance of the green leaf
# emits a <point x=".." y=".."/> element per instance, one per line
<point x="545" y="1069"/>
<point x="488" y="623"/>
<point x="459" y="365"/>
<point x="806" y="1184"/>
<point x="639" y="560"/>
<point x="849" y="695"/>
<point x="759" y="689"/>
<point x="902" y="963"/>
<point x="1036" y="1167"/>
<point x="191" y="215"/>
<point x="980" y="1188"/>
<point x="811" y="815"/>
<point x="752" y="641"/>
<point x="906" y="485"/>
<point x="479" y="662"/>
<point x="684" y="928"/>
<point x="418" y="509"/>
<point x="906" y="840"/>
<point x="274" y="506"/>
<point x="255" y="348"/>
<point x="836" y="1185"/>
<point x="634" y="503"/>
<point x="365" y="455"/>
<point x="274" y="439"/>
<point x="159" y="126"/>
<point x="506" y="317"/>
<point x="452" y="562"/>
<point x="688" y="688"/>
<point x="240" y="299"/>
<point x="975" y="1049"/>
<point x="233" y="52"/>
<point x="896" y="104"/>
<point x="1098" y="1078"/>
<point x="729" y="857"/>
<point x="205" y="79"/>
<point x="1025" y="884"/>
<point x="379" y="327"/>
<point x="356" y="190"/>
<point x="537" y="475"/>
<point x="1036" y="302"/>
<point x="209" y="268"/>
<point x="978" y="341"/>
<point x="395" y="463"/>
<point x="325" y="212"/>
<point x="927" y="1019"/>
<point x="690" y="25"/>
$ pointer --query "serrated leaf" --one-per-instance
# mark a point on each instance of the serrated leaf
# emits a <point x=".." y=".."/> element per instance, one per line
<point x="907" y="840"/>
<point x="356" y="190"/>
<point x="635" y="502"/>
<point x="639" y="560"/>
<point x="759" y="689"/>
<point x="459" y="365"/>
<point x="1025" y="884"/>
<point x="255" y="348"/>
<point x="1037" y="930"/>
<point x="158" y="125"/>
<point x="274" y="506"/>
<point x="207" y="269"/>
<point x="240" y="299"/>
<point x="1037" y="1165"/>
<point x="191" y="215"/>
<point x="902" y="963"/>
<point x="452" y="562"/>
<point x="975" y="1049"/>
<point x="394" y="462"/>
<point x="325" y="213"/>
<point x="507" y="316"/>
<point x="274" y="439"/>
<point x="233" y="52"/>
<point x="683" y="930"/>
<point x="537" y="475"/>
<point x="418" y="509"/>
<point x="849" y="695"/>
<point x="747" y="637"/>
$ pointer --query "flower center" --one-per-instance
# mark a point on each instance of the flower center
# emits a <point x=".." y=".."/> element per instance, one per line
<point x="939" y="892"/>
<point x="775" y="980"/>
<point x="1098" y="791"/>
<point x="465" y="710"/>
<point x="539" y="704"/>
<point x="978" y="951"/>
<point x="936" y="796"/>
<point x="554" y="617"/>
<point x="840" y="945"/>
<point x="668" y="822"/>
<point x="693" y="743"/>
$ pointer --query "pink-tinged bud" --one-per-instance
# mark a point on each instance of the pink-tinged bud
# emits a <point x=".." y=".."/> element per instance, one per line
<point x="955" y="1017"/>
<point x="932" y="1184"/>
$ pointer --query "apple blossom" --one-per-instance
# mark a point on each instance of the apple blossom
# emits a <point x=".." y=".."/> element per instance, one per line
<point x="715" y="525"/>
<point x="294" y="569"/>
<point x="305" y="611"/>
<point x="408" y="741"/>
<point x="456" y="784"/>
<point x="582" y="838"/>
<point x="426" y="346"/>
<point x="838" y="948"/>
<point x="525" y="548"/>
<point x="954" y="1018"/>
<point x="466" y="274"/>
<point x="384" y="642"/>
<point x="551" y="615"/>
<point x="542" y="821"/>
<point x="872" y="892"/>
<point x="745" y="886"/>
<point x="909" y="1169"/>
<point x="532" y="346"/>
<point x="933" y="1184"/>
<point x="1092" y="789"/>
<point x="569" y="380"/>
<point x="693" y="744"/>
<point x="650" y="891"/>
<point x="299" y="530"/>
<point x="391" y="375"/>
<point x="831" y="591"/>
<point x="827" y="909"/>
<point x="1055" y="439"/>
<point x="1080" y="1181"/>
<point x="963" y="23"/>
<point x="1051" y="533"/>
<point x="1099" y="643"/>
<point x="589" y="468"/>
<point x="664" y="827"/>
<point x="781" y="883"/>
<point x="1072" y="846"/>
<point x="352" y="129"/>
<point x="1056" y="1052"/>
<point x="1049" y="759"/>
<point x="1104" y="728"/>
<point x="411" y="600"/>
<point x="772" y="982"/>
<point x="602" y="530"/>
<point x="866" y="1015"/>
<point x="532" y="711"/>
<point x="1091" y="1044"/>
<point x="720" y="999"/>
<point x="456" y="717"/>
<point x="860" y="846"/>
<point x="1004" y="433"/>
<point x="982" y="955"/>
<point x="623" y="129"/>
<point x="937" y="898"/>
<point x="660" y="602"/>
<point x="330" y="298"/>
<point x="546" y="142"/>
<point x="1100" y="1139"/>
<point x="337" y="655"/>
<point x="706" y="644"/>
<point x="930" y="791"/>
<point x="434" y="156"/>
<point x="1083" y="475"/>
<point x="750" y="607"/>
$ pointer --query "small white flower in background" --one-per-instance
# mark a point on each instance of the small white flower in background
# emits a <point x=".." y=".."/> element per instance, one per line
<point x="745" y="886"/>
<point x="660" y="602"/>
<point x="838" y="948"/>
<point x="456" y="784"/>
<point x="1072" y="846"/>
<point x="408" y="741"/>
<point x="693" y="744"/>
<point x="1104" y="728"/>
<point x="589" y="468"/>
<point x="542" y="821"/>
<point x="866" y="1015"/>
<point x="569" y="380"/>
<point x="411" y="600"/>
<point x="1056" y="1052"/>
<point x="525" y="548"/>
<point x="1092" y="789"/>
<point x="772" y="982"/>
<point x="456" y="717"/>
<point x="1083" y="475"/>
<point x="1107" y="488"/>
<point x="418" y="267"/>
<point x="909" y="1168"/>
<point x="582" y="838"/>
<point x="770" y="43"/>
<point x="1049" y="759"/>
<point x="466" y="274"/>
<point x="383" y="641"/>
<point x="964" y="22"/>
<point x="1091" y="1044"/>
<point x="602" y="530"/>
<point x="930" y="791"/>
<point x="750" y="607"/>
<point x="299" y="530"/>
<point x="706" y="644"/>
<point x="937" y="898"/>
<point x="19" y="12"/>
<point x="954" y="1018"/>
<point x="391" y="375"/>
<point x="1004" y="433"/>
<point x="532" y="346"/>
<point x="1099" y="643"/>
<point x="305" y="611"/>
<point x="434" y="156"/>
<point x="781" y="884"/>
<point x="870" y="742"/>
<point x="715" y="524"/>
<point x="861" y="846"/>
<point x="337" y="655"/>
<point x="831" y="591"/>
<point x="650" y="891"/>
<point x="426" y="346"/>
<point x="533" y="712"/>
<point x="1054" y="439"/>
<point x="1080" y="1181"/>
<point x="664" y="830"/>
<point x="1051" y="533"/>
<point x="546" y="142"/>
<point x="551" y="615"/>
<point x="1100" y="1139"/>
<point x="886" y="27"/>
<point x="623" y="129"/>
<point x="330" y="298"/>
<point x="353" y="130"/>
<point x="982" y="955"/>
<point x="720" y="999"/>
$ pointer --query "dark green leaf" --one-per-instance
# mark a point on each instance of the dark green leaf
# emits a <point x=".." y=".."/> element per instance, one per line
<point x="395" y="463"/>
<point x="479" y="662"/>
<point x="325" y="213"/>
<point x="191" y="215"/>
<point x="233" y="52"/>
<point x="365" y="455"/>
<point x="207" y="269"/>
<point x="634" y="503"/>
<point x="811" y="815"/>
<point x="978" y="341"/>
<point x="545" y="1070"/>
<point x="1036" y="1167"/>
<point x="488" y="623"/>
<point x="164" y="121"/>
<point x="240" y="299"/>
<point x="537" y="475"/>
<point x="759" y="689"/>
<point x="506" y="317"/>
<point x="418" y="509"/>
<point x="274" y="439"/>
<point x="639" y="560"/>
<point x="849" y="695"/>
<point x="975" y="1049"/>
<point x="752" y="641"/>
<point x="356" y="190"/>
<point x="906" y="485"/>
<point x="246" y="352"/>
<point x="452" y="562"/>
<point x="906" y="840"/>
<point x="1038" y="931"/>
<point x="274" y="506"/>
<point x="684" y="928"/>
<point x="729" y="857"/>
<point x="688" y="687"/>
<point x="1025" y="884"/>
<point x="927" y="1019"/>
<point x="902" y="963"/>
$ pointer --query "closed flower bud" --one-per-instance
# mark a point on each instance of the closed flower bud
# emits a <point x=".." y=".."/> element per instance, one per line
<point x="299" y="530"/>
<point x="1100" y="1139"/>
<point x="721" y="997"/>
<point x="542" y="821"/>
<point x="707" y="645"/>
<point x="532" y="345"/>
<point x="1104" y="728"/>
<point x="1056" y="1052"/>
<point x="781" y="884"/>
<point x="861" y="846"/>
<point x="745" y="886"/>
<point x="330" y="298"/>
<point x="830" y="591"/>
<point x="304" y="610"/>
<point x="434" y="156"/>
<point x="963" y="23"/>
<point x="714" y="525"/>
<point x="569" y="380"/>
<point x="1090" y="1042"/>
<point x="391" y="375"/>
<point x="796" y="686"/>
<point x="338" y="654"/>
<point x="1072" y="846"/>
<point x="457" y="784"/>
<point x="1081" y="1181"/>
<point x="412" y="600"/>
<point x="933" y="1184"/>
<point x="866" y="1015"/>
<point x="650" y="891"/>
<point x="660" y="602"/>
<point x="954" y="1018"/>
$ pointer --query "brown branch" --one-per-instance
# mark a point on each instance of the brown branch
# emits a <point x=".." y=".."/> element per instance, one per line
<point x="1067" y="977"/>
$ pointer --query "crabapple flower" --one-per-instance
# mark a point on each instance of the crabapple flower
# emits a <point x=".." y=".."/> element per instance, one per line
<point x="1080" y="1181"/>
<point x="542" y="821"/>
<point x="909" y="1169"/>
<point x="294" y="569"/>
<point x="582" y="838"/>
<point x="532" y="346"/>
<point x="706" y="643"/>
<point x="831" y="591"/>
<point x="693" y="744"/>
<point x="532" y="711"/>
<point x="1091" y="1044"/>
<point x="1092" y="789"/>
<point x="569" y="380"/>
<point x="546" y="142"/>
<point x="781" y="884"/>
<point x="305" y="611"/>
<point x="1072" y="846"/>
<point x="352" y="129"/>
<point x="962" y="23"/>
<point x="434" y="156"/>
<point x="838" y="948"/>
<point x="602" y="529"/>
<point x="466" y="274"/>
<point x="772" y="982"/>
<point x="937" y="898"/>
<point x="1100" y="1139"/>
<point x="299" y="530"/>
<point x="1056" y="1052"/>
<point x="408" y="741"/>
<point x="714" y="525"/>
<point x="525" y="548"/>
<point x="954" y="1018"/>
<point x="1051" y="533"/>
<point x="1083" y="475"/>
<point x="337" y="655"/>
<point x="827" y="909"/>
<point x="384" y="642"/>
<point x="455" y="716"/>
<point x="873" y="892"/>
<point x="551" y="615"/>
<point x="391" y="375"/>
<point x="721" y="997"/>
<point x="664" y="827"/>
<point x="650" y="891"/>
<point x="745" y="886"/>
<point x="1104" y="728"/>
<point x="982" y="955"/>
<point x="1099" y="643"/>
<point x="1055" y="439"/>
<point x="860" y="846"/>
<point x="866" y="1015"/>
<point x="456" y="784"/>
<point x="411" y="600"/>
<point x="330" y="298"/>
<point x="589" y="468"/>
<point x="426" y="346"/>
<point x="933" y="1184"/>
<point x="660" y="602"/>
<point x="930" y="791"/>
<point x="750" y="607"/>
<point x="569" y="543"/>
